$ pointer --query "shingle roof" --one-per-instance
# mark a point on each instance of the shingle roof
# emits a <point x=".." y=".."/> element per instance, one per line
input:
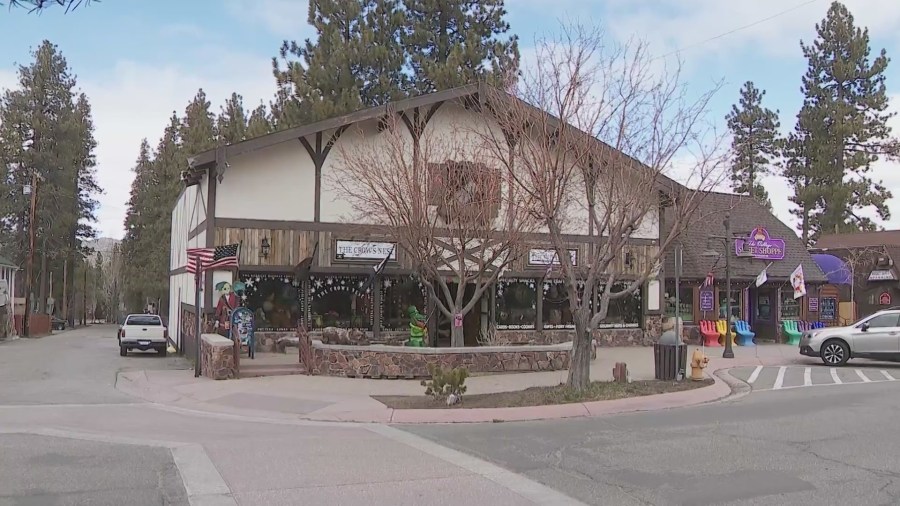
<point x="746" y="214"/>
<point x="859" y="240"/>
<point x="5" y="262"/>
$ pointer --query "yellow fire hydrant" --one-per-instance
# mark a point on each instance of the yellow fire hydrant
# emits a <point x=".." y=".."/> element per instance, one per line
<point x="699" y="362"/>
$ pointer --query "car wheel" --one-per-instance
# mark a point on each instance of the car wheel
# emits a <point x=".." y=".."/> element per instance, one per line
<point x="835" y="352"/>
<point x="123" y="351"/>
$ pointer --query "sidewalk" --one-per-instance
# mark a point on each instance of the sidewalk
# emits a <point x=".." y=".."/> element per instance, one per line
<point x="323" y="398"/>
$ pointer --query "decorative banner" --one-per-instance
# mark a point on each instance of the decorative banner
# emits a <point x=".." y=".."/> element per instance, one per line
<point x="362" y="250"/>
<point x="759" y="245"/>
<point x="829" y="309"/>
<point x="549" y="257"/>
<point x="798" y="282"/>
<point x="884" y="299"/>
<point x="882" y="275"/>
<point x="458" y="320"/>
<point x="813" y="304"/>
<point x="707" y="299"/>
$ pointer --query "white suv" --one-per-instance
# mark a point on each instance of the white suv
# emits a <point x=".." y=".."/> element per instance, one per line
<point x="876" y="336"/>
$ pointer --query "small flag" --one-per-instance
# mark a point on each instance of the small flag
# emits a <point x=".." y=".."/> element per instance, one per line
<point x="376" y="271"/>
<point x="762" y="278"/>
<point x="301" y="270"/>
<point x="708" y="282"/>
<point x="798" y="282"/>
<point x="213" y="258"/>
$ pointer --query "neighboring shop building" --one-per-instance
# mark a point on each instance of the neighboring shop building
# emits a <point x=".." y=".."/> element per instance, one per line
<point x="267" y="195"/>
<point x="867" y="263"/>
<point x="7" y="298"/>
<point x="763" y="307"/>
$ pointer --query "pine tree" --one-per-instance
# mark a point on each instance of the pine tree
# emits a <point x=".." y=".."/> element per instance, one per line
<point x="259" y="123"/>
<point x="754" y="144"/>
<point x="383" y="75"/>
<point x="844" y="129"/>
<point x="135" y="243"/>
<point x="457" y="42"/>
<point x="231" y="125"/>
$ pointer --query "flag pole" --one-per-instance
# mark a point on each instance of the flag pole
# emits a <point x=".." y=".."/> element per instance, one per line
<point x="197" y="275"/>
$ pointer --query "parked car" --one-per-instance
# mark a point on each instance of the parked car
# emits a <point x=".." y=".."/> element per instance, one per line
<point x="876" y="336"/>
<point x="143" y="332"/>
<point x="57" y="323"/>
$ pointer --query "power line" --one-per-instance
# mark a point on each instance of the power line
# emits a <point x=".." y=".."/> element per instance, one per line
<point x="738" y="29"/>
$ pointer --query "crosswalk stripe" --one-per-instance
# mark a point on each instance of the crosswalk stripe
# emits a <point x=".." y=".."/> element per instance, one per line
<point x="779" y="380"/>
<point x="862" y="376"/>
<point x="755" y="374"/>
<point x="834" y="376"/>
<point x="887" y="375"/>
<point x="807" y="377"/>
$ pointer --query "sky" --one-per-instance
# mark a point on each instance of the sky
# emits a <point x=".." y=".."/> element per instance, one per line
<point x="138" y="61"/>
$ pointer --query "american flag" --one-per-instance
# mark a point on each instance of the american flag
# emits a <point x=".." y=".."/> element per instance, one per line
<point x="213" y="258"/>
<point x="708" y="282"/>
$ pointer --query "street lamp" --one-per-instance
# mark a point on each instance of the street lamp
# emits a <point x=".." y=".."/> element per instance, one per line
<point x="711" y="253"/>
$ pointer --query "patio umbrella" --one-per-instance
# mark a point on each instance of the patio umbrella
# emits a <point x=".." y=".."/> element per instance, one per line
<point x="836" y="270"/>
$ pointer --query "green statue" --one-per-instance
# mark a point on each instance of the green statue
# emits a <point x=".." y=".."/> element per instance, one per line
<point x="417" y="328"/>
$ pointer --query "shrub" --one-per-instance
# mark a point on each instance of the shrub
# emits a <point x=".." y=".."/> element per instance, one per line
<point x="443" y="384"/>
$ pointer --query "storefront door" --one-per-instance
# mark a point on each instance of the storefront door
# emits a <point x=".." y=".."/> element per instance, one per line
<point x="762" y="312"/>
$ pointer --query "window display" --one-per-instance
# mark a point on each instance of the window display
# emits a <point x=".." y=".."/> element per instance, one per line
<point x="397" y="295"/>
<point x="516" y="304"/>
<point x="624" y="312"/>
<point x="789" y="307"/>
<point x="555" y="310"/>
<point x="335" y="301"/>
<point x="275" y="299"/>
<point x="735" y="304"/>
<point x="686" y="300"/>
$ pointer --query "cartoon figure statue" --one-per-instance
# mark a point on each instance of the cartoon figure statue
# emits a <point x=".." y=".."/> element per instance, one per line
<point x="417" y="327"/>
<point x="228" y="302"/>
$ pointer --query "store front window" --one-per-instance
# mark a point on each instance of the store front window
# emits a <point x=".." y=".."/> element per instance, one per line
<point x="397" y="295"/>
<point x="624" y="312"/>
<point x="516" y="304"/>
<point x="789" y="307"/>
<point x="735" y="305"/>
<point x="275" y="299"/>
<point x="335" y="301"/>
<point x="556" y="312"/>
<point x="686" y="301"/>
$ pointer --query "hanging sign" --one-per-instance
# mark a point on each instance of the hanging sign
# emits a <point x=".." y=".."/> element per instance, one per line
<point x="707" y="299"/>
<point x="884" y="299"/>
<point x="458" y="320"/>
<point x="539" y="256"/>
<point x="829" y="309"/>
<point x="882" y="275"/>
<point x="813" y="304"/>
<point x="364" y="250"/>
<point x="759" y="245"/>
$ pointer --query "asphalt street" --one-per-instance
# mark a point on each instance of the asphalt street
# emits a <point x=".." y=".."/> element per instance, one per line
<point x="791" y="446"/>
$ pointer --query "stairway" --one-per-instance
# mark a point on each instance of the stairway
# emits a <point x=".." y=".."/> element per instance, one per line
<point x="251" y="370"/>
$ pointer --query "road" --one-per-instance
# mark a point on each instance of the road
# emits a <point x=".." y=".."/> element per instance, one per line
<point x="838" y="444"/>
<point x="68" y="437"/>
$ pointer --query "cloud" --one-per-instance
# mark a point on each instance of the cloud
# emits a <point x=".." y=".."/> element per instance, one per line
<point x="132" y="100"/>
<point x="286" y="18"/>
<point x="687" y="24"/>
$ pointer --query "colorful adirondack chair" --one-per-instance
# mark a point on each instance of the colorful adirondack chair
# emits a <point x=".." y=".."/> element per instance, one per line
<point x="744" y="334"/>
<point x="792" y="331"/>
<point x="722" y="328"/>
<point x="709" y="333"/>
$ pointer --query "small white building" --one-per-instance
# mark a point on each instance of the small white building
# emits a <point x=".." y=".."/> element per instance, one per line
<point x="7" y="298"/>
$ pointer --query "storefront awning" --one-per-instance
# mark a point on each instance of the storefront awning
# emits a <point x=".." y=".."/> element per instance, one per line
<point x="835" y="269"/>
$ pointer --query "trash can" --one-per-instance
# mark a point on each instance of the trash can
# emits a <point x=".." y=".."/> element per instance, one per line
<point x="670" y="361"/>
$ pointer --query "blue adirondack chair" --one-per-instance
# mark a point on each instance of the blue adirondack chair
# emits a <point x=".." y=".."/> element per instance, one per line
<point x="744" y="334"/>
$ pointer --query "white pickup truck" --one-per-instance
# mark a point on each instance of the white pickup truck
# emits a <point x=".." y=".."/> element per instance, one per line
<point x="143" y="332"/>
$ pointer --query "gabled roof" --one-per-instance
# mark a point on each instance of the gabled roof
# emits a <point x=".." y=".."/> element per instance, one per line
<point x="859" y="240"/>
<point x="746" y="214"/>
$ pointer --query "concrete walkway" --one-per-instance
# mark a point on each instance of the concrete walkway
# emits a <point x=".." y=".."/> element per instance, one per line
<point x="321" y="398"/>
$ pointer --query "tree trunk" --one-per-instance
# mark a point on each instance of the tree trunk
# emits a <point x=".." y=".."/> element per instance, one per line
<point x="457" y="336"/>
<point x="42" y="298"/>
<point x="580" y="364"/>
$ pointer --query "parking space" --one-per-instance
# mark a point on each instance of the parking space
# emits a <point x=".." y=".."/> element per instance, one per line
<point x="785" y="377"/>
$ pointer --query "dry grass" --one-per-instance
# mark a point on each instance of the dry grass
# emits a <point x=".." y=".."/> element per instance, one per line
<point x="539" y="396"/>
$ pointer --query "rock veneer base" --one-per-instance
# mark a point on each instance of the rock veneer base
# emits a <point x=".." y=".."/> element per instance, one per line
<point x="379" y="361"/>
<point x="217" y="354"/>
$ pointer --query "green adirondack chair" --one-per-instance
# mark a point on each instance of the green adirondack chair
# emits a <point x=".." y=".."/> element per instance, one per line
<point x="792" y="331"/>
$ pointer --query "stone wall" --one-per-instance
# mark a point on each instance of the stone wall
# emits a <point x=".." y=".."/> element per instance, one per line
<point x="378" y="361"/>
<point x="266" y="341"/>
<point x="217" y="354"/>
<point x="604" y="337"/>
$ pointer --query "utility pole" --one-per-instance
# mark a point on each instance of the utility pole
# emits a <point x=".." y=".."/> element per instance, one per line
<point x="29" y="269"/>
<point x="84" y="296"/>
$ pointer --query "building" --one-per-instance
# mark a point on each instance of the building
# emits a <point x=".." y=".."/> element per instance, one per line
<point x="763" y="307"/>
<point x="267" y="194"/>
<point x="865" y="262"/>
<point x="7" y="298"/>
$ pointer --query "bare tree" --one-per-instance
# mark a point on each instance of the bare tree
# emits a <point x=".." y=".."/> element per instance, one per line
<point x="443" y="201"/>
<point x="589" y="141"/>
<point x="40" y="5"/>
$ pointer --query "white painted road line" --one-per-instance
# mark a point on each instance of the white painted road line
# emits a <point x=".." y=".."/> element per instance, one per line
<point x="755" y="374"/>
<point x="887" y="375"/>
<point x="202" y="481"/>
<point x="862" y="376"/>
<point x="834" y="376"/>
<point x="779" y="380"/>
<point x="807" y="376"/>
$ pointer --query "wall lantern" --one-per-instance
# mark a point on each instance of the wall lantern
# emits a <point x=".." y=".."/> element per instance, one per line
<point x="264" y="248"/>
